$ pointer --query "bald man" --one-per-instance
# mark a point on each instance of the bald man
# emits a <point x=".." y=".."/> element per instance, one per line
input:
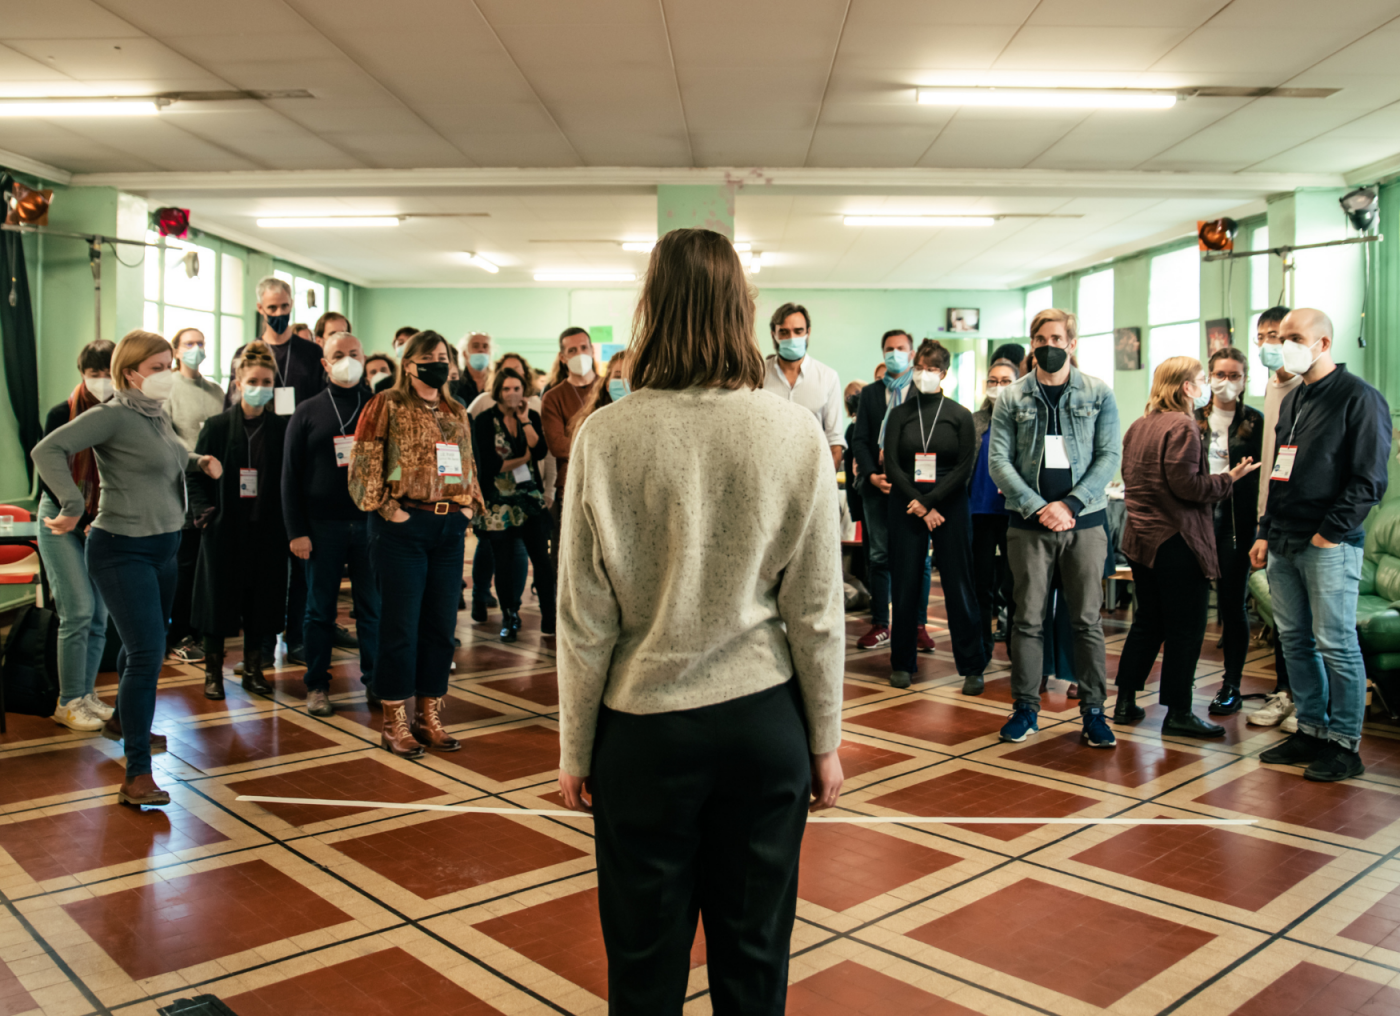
<point x="1331" y="444"/>
<point x="326" y="529"/>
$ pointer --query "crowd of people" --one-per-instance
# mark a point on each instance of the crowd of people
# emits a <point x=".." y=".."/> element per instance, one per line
<point x="701" y="636"/>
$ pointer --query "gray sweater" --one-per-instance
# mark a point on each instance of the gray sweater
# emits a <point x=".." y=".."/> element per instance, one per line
<point x="191" y="403"/>
<point x="700" y="562"/>
<point x="140" y="459"/>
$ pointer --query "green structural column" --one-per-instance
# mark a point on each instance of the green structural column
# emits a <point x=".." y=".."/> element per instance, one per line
<point x="1329" y="278"/>
<point x="706" y="206"/>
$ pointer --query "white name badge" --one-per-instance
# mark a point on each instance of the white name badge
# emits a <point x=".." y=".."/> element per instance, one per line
<point x="247" y="483"/>
<point x="343" y="446"/>
<point x="521" y="474"/>
<point x="925" y="467"/>
<point x="284" y="400"/>
<point x="449" y="459"/>
<point x="1283" y="465"/>
<point x="1055" y="455"/>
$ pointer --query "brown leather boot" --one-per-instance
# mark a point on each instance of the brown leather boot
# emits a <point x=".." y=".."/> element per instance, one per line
<point x="395" y="736"/>
<point x="428" y="728"/>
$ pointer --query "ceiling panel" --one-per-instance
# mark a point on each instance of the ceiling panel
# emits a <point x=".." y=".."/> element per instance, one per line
<point x="1126" y="13"/>
<point x="1089" y="48"/>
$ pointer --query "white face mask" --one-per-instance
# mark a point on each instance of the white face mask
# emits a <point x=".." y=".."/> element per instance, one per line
<point x="99" y="387"/>
<point x="994" y="393"/>
<point x="1298" y="358"/>
<point x="347" y="370"/>
<point x="928" y="381"/>
<point x="1226" y="391"/>
<point x="159" y="385"/>
<point x="377" y="377"/>
<point x="581" y="365"/>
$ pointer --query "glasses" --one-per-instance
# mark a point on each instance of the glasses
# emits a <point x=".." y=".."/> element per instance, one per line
<point x="994" y="383"/>
<point x="1222" y="376"/>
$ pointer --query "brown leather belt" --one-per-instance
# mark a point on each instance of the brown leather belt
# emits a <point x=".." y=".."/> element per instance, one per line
<point x="436" y="507"/>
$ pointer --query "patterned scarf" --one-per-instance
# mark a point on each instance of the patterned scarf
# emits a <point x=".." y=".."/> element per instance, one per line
<point x="898" y="387"/>
<point x="84" y="463"/>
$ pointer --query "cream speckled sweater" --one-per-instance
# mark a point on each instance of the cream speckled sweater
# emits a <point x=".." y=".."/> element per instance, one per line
<point x="700" y="562"/>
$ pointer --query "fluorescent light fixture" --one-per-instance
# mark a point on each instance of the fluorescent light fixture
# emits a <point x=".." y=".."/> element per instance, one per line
<point x="639" y="246"/>
<point x="743" y="246"/>
<point x="935" y="221"/>
<point x="585" y="277"/>
<point x="1049" y="98"/>
<point x="481" y="262"/>
<point x="78" y="107"/>
<point x="330" y="222"/>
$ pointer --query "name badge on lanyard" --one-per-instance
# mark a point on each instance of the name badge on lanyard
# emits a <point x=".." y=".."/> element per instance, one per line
<point x="247" y="483"/>
<point x="1055" y="455"/>
<point x="925" y="467"/>
<point x="284" y="401"/>
<point x="449" y="459"/>
<point x="344" y="444"/>
<point x="521" y="474"/>
<point x="1283" y="465"/>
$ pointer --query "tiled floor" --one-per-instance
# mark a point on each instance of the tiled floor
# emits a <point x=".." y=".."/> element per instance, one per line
<point x="300" y="910"/>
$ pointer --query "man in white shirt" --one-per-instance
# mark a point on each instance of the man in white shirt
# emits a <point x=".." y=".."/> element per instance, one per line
<point x="799" y="378"/>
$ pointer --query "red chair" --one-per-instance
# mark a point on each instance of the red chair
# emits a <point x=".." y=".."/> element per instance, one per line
<point x="19" y="562"/>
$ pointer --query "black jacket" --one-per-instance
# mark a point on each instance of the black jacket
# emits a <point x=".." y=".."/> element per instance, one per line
<point x="951" y="431"/>
<point x="232" y="549"/>
<point x="304" y="372"/>
<point x="1246" y="438"/>
<point x="1341" y="426"/>
<point x="865" y="441"/>
<point x="313" y="485"/>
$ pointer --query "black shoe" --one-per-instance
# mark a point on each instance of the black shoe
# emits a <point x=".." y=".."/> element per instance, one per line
<point x="462" y="601"/>
<point x="1335" y="763"/>
<point x="478" y="610"/>
<point x="342" y="638"/>
<point x="547" y="626"/>
<point x="1185" y="723"/>
<point x="214" y="678"/>
<point x="1299" y="749"/>
<point x="295" y="655"/>
<point x="1127" y="712"/>
<point x="491" y="602"/>
<point x="973" y="684"/>
<point x="1227" y="702"/>
<point x="510" y="625"/>
<point x="257" y="684"/>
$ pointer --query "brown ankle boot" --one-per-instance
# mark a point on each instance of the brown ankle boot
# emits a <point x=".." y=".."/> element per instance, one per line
<point x="395" y="736"/>
<point x="428" y="728"/>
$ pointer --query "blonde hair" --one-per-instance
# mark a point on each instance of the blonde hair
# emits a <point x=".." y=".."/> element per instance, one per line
<point x="1170" y="375"/>
<point x="255" y="354"/>
<point x="694" y="323"/>
<point x="134" y="349"/>
<point x="1065" y="317"/>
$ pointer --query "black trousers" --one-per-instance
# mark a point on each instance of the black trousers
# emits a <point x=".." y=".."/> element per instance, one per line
<point x="952" y="546"/>
<point x="1173" y="599"/>
<point x="700" y="812"/>
<point x="1231" y="592"/>
<point x="510" y="581"/>
<point x="991" y="573"/>
<point x="186" y="558"/>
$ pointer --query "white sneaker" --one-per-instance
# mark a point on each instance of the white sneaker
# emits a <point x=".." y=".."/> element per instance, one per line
<point x="97" y="707"/>
<point x="1276" y="708"/>
<point x="75" y="716"/>
<point x="1289" y="724"/>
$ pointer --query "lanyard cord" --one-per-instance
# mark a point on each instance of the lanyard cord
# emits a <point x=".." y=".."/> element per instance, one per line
<point x="252" y="435"/>
<point x="352" y="415"/>
<point x="919" y="406"/>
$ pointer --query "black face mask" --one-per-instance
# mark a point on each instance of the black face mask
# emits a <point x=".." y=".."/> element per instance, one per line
<point x="1050" y="359"/>
<point x="278" y="322"/>
<point x="434" y="374"/>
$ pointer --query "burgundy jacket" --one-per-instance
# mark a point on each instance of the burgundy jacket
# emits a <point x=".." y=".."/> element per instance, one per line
<point x="1169" y="489"/>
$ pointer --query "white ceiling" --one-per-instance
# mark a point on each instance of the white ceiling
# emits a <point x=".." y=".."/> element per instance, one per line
<point x="674" y="84"/>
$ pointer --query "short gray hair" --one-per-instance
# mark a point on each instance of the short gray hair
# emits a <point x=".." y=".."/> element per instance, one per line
<point x="272" y="282"/>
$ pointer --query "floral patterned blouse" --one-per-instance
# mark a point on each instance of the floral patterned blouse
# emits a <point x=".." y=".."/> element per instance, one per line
<point x="395" y="455"/>
<point x="510" y="501"/>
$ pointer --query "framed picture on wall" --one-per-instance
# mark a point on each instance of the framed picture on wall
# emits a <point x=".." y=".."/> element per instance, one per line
<point x="963" y="319"/>
<point x="1127" y="349"/>
<point x="1218" y="333"/>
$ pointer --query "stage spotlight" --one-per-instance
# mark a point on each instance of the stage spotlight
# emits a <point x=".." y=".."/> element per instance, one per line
<point x="1361" y="207"/>
<point x="172" y="221"/>
<point x="1217" y="234"/>
<point x="26" y="206"/>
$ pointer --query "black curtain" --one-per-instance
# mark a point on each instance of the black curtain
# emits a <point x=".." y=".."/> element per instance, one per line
<point x="18" y="340"/>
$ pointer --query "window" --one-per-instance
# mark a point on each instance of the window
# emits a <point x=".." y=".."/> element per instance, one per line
<point x="182" y="290"/>
<point x="964" y="373"/>
<point x="1259" y="301"/>
<point x="1095" y="313"/>
<point x="1037" y="300"/>
<point x="1173" y="306"/>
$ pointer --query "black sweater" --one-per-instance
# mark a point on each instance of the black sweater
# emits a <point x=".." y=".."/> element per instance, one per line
<point x="313" y="486"/>
<point x="1341" y="426"/>
<point x="298" y="367"/>
<point x="953" y="439"/>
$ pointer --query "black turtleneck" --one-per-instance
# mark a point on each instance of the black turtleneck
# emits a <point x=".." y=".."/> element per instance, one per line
<point x="937" y="424"/>
<point x="313" y="485"/>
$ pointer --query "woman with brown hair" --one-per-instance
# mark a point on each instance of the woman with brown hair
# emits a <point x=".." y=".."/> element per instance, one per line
<point x="381" y="371"/>
<point x="243" y="547"/>
<point x="616" y="385"/>
<point x="1170" y="542"/>
<point x="701" y="643"/>
<point x="132" y="542"/>
<point x="412" y="467"/>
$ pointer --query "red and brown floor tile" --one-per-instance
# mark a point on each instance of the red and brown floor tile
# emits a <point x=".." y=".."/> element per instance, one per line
<point x="1132" y="764"/>
<point x="542" y="689"/>
<point x="1312" y="990"/>
<point x="850" y="989"/>
<point x="344" y="779"/>
<point x="507" y="755"/>
<point x="845" y="865"/>
<point x="255" y="739"/>
<point x="1344" y="809"/>
<point x="928" y="719"/>
<point x="972" y="793"/>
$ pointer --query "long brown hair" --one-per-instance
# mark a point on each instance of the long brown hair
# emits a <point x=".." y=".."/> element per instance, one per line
<point x="694" y="323"/>
<point x="96" y="355"/>
<point x="1246" y="425"/>
<point x="600" y="397"/>
<point x="402" y="391"/>
<point x="1167" y="379"/>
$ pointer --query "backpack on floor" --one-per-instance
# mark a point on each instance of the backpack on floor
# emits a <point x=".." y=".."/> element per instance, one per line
<point x="29" y="663"/>
<point x="200" y="1005"/>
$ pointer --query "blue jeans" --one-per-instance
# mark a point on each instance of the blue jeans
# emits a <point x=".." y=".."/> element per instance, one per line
<point x="1314" y="591"/>
<point x="82" y="616"/>
<point x="334" y="544"/>
<point x="877" y="542"/>
<point x="136" y="576"/>
<point x="419" y="564"/>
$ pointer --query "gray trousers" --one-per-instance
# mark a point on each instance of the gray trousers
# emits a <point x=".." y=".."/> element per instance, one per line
<point x="1080" y="556"/>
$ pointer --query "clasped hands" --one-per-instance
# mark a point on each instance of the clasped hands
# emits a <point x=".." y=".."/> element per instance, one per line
<point x="931" y="517"/>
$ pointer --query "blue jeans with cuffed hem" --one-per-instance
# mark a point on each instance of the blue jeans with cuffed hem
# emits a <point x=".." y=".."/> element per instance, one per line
<point x="82" y="616"/>
<point x="136" y="576"/>
<point x="334" y="545"/>
<point x="1314" y="592"/>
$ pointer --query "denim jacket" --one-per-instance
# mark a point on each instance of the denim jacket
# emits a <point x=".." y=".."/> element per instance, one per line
<point x="1089" y="421"/>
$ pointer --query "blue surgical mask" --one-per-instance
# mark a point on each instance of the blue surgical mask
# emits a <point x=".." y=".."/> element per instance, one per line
<point x="792" y="349"/>
<point x="479" y="361"/>
<point x="257" y="397"/>
<point x="619" y="387"/>
<point x="1271" y="356"/>
<point x="193" y="357"/>
<point x="897" y="361"/>
<point x="1199" y="400"/>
